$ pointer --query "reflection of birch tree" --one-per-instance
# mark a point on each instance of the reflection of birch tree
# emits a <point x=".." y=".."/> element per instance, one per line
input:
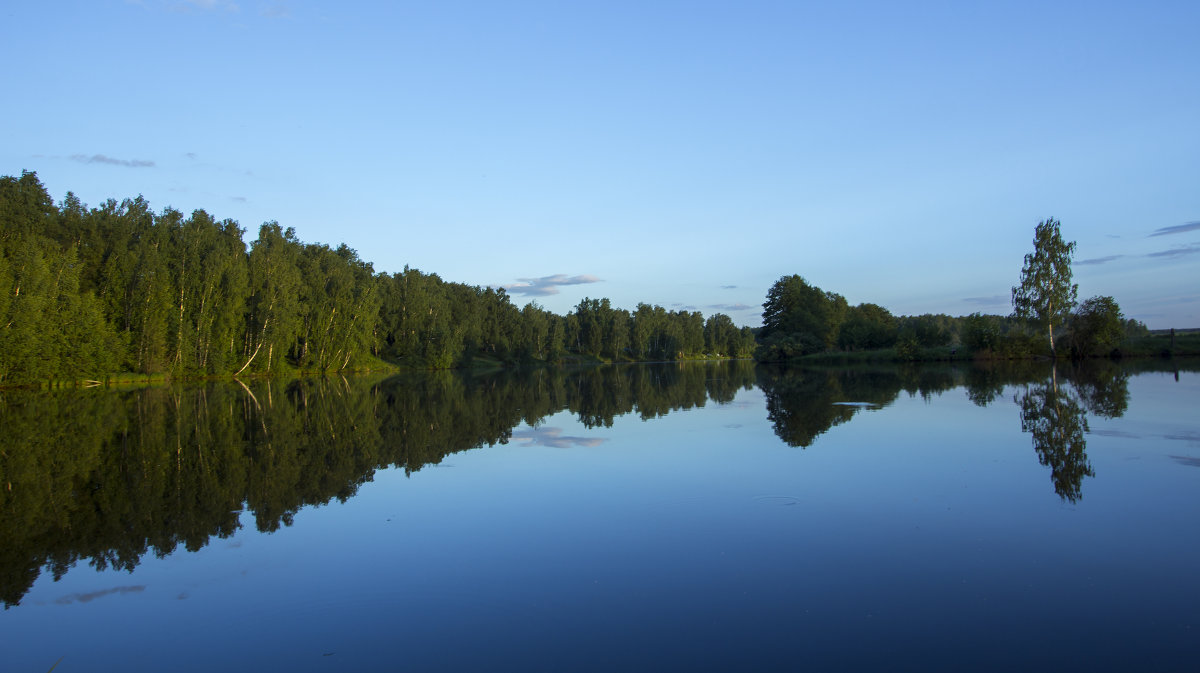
<point x="1057" y="422"/>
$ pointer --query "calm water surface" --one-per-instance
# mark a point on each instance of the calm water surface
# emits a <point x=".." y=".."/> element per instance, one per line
<point x="682" y="517"/>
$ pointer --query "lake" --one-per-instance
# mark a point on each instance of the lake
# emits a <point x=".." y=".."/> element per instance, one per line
<point x="694" y="516"/>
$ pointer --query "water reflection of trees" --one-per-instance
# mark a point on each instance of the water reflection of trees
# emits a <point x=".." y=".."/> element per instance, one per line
<point x="1054" y="412"/>
<point x="1057" y="423"/>
<point x="107" y="477"/>
<point x="803" y="404"/>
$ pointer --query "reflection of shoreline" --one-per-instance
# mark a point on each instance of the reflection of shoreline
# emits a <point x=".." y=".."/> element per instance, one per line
<point x="1054" y="413"/>
<point x="1056" y="421"/>
<point x="804" y="403"/>
<point x="153" y="469"/>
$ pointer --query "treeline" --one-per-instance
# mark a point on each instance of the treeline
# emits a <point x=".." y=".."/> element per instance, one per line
<point x="167" y="467"/>
<point x="89" y="292"/>
<point x="800" y="319"/>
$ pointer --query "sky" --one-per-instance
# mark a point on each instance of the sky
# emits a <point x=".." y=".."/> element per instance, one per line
<point x="685" y="154"/>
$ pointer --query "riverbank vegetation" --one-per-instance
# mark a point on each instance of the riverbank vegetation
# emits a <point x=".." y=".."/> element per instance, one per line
<point x="801" y="320"/>
<point x="119" y="292"/>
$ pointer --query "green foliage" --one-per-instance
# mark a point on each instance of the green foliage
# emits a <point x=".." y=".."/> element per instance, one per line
<point x="339" y="305"/>
<point x="929" y="331"/>
<point x="867" y="327"/>
<point x="722" y="337"/>
<point x="780" y="347"/>
<point x="1097" y="327"/>
<point x="908" y="349"/>
<point x="1135" y="329"/>
<point x="49" y="327"/>
<point x="799" y="319"/>
<point x="109" y="291"/>
<point x="272" y="317"/>
<point x="1046" y="294"/>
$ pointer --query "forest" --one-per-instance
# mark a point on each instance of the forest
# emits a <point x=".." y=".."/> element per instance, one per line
<point x="802" y="321"/>
<point x="89" y="293"/>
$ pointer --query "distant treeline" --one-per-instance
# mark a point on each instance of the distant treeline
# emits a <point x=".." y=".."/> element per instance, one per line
<point x="800" y="319"/>
<point x="90" y="292"/>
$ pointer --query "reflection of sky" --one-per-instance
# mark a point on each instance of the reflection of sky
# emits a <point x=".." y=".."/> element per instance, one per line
<point x="545" y="436"/>
<point x="696" y="540"/>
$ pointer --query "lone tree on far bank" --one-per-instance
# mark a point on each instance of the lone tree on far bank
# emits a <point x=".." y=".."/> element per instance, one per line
<point x="1046" y="294"/>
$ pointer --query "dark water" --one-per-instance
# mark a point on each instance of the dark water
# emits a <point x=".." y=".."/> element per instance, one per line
<point x="681" y="517"/>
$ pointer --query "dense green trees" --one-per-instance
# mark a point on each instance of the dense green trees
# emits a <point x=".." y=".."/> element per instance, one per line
<point x="50" y="324"/>
<point x="867" y="326"/>
<point x="86" y="293"/>
<point x="1097" y="327"/>
<point x="801" y="319"/>
<point x="722" y="337"/>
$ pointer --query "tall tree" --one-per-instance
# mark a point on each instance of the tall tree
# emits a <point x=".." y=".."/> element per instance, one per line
<point x="801" y="317"/>
<point x="273" y="308"/>
<point x="1046" y="294"/>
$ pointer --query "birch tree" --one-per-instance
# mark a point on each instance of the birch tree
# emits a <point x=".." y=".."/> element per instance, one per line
<point x="1046" y="294"/>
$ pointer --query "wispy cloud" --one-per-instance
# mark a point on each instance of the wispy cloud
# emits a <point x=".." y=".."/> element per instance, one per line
<point x="1098" y="260"/>
<point x="104" y="159"/>
<point x="1177" y="229"/>
<point x="554" y="437"/>
<point x="277" y="10"/>
<point x="547" y="285"/>
<point x="208" y="5"/>
<point x="1178" y="251"/>
<point x="988" y="301"/>
<point x="238" y="199"/>
<point x="733" y="307"/>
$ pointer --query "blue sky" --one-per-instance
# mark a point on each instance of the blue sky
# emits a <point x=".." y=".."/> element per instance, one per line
<point x="686" y="154"/>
